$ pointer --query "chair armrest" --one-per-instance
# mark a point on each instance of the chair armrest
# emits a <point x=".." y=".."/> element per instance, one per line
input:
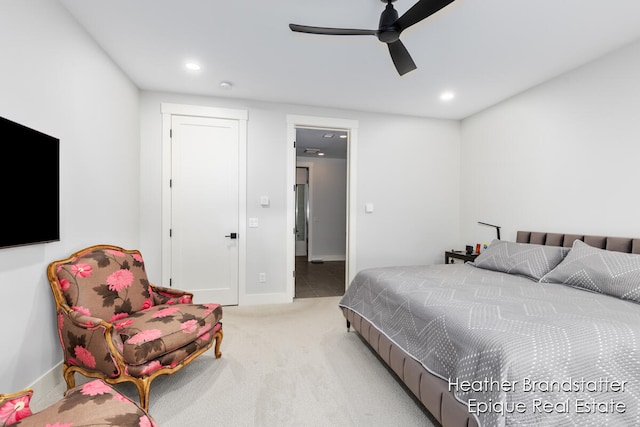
<point x="162" y="295"/>
<point x="90" y="342"/>
<point x="86" y="321"/>
<point x="15" y="406"/>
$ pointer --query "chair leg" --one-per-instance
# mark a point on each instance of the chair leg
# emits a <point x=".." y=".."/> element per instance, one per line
<point x="218" y="337"/>
<point x="69" y="376"/>
<point x="144" y="386"/>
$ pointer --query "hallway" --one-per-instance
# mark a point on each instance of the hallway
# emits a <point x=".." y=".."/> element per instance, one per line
<point x="325" y="279"/>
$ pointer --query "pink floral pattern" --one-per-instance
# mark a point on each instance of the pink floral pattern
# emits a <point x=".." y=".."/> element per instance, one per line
<point x="165" y="312"/>
<point x="92" y="404"/>
<point x="151" y="367"/>
<point x="153" y="328"/>
<point x="204" y="332"/>
<point x="118" y="316"/>
<point x="115" y="253"/>
<point x="145" y="336"/>
<point x="12" y="411"/>
<point x="82" y="270"/>
<point x="189" y="326"/>
<point x="64" y="284"/>
<point x="120" y="280"/>
<point x="95" y="387"/>
<point x="85" y="356"/>
<point x="123" y="324"/>
<point x="82" y="310"/>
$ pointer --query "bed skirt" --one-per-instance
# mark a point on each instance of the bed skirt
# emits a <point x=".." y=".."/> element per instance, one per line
<point x="433" y="392"/>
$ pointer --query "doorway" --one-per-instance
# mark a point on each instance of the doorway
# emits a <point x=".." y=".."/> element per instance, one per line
<point x="351" y="126"/>
<point x="320" y="211"/>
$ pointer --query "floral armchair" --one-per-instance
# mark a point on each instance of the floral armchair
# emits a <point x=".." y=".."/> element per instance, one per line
<point x="115" y="325"/>
<point x="94" y="403"/>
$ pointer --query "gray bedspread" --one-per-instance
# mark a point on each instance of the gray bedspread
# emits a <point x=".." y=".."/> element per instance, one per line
<point x="514" y="351"/>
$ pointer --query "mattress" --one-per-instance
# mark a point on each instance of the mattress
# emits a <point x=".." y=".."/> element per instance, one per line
<point x="512" y="350"/>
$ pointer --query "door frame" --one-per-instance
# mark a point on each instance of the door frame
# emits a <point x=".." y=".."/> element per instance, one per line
<point x="351" y="126"/>
<point x="168" y="110"/>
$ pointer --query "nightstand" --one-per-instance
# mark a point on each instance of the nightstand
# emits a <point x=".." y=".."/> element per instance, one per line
<point x="450" y="256"/>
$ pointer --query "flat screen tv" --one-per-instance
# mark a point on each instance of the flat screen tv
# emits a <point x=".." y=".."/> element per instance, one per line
<point x="30" y="186"/>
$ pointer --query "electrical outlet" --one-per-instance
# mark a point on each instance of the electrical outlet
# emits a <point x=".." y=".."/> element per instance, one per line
<point x="262" y="277"/>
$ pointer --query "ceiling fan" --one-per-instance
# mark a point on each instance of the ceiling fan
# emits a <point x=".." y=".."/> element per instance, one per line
<point x="389" y="29"/>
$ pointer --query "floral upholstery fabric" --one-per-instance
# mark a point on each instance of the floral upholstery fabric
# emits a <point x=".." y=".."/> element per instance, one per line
<point x="108" y="284"/>
<point x="83" y="343"/>
<point x="92" y="404"/>
<point x="152" y="333"/>
<point x="149" y="322"/>
<point x="14" y="407"/>
<point x="174" y="357"/>
<point x="114" y="324"/>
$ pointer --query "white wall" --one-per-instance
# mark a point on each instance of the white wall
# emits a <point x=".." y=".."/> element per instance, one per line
<point x="403" y="165"/>
<point x="56" y="80"/>
<point x="562" y="157"/>
<point x="410" y="171"/>
<point x="328" y="207"/>
<point x="53" y="78"/>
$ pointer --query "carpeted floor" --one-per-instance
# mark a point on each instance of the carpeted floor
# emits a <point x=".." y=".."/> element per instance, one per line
<point x="282" y="365"/>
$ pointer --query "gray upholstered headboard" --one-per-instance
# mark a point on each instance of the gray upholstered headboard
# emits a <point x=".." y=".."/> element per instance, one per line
<point x="619" y="244"/>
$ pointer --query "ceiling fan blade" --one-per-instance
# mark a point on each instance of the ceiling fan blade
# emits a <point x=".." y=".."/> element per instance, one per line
<point x="332" y="31"/>
<point x="420" y="11"/>
<point x="401" y="58"/>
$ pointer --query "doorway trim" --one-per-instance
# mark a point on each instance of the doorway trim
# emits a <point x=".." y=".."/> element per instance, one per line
<point x="168" y="110"/>
<point x="351" y="126"/>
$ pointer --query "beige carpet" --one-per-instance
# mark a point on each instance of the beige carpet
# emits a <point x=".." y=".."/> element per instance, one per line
<point x="282" y="365"/>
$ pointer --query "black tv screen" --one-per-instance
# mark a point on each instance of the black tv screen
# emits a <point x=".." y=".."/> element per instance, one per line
<point x="30" y="179"/>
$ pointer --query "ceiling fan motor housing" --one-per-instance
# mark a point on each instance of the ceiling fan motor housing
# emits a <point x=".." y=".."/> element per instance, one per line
<point x="388" y="29"/>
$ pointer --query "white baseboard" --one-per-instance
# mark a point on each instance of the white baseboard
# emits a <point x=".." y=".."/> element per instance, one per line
<point x="261" y="299"/>
<point x="328" y="258"/>
<point x="48" y="381"/>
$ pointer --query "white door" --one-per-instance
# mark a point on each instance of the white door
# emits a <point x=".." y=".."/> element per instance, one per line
<point x="204" y="208"/>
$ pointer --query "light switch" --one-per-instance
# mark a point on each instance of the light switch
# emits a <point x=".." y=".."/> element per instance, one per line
<point x="264" y="201"/>
<point x="368" y="207"/>
<point x="253" y="222"/>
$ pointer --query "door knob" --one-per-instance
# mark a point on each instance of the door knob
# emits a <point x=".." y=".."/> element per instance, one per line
<point x="232" y="235"/>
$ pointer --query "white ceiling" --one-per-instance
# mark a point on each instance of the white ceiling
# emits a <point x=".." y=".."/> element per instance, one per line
<point x="327" y="142"/>
<point x="483" y="50"/>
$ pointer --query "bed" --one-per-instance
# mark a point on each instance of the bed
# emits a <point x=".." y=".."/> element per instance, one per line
<point x="541" y="331"/>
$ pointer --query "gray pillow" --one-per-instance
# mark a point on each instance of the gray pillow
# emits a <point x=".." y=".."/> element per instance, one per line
<point x="523" y="259"/>
<point x="597" y="270"/>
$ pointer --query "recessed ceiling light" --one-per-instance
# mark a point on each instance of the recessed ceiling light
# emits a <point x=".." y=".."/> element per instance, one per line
<point x="192" y="66"/>
<point x="327" y="135"/>
<point x="343" y="136"/>
<point x="225" y="85"/>
<point x="320" y="153"/>
<point x="312" y="150"/>
<point x="447" y="96"/>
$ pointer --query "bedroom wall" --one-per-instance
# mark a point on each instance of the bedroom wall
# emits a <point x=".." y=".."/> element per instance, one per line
<point x="560" y="157"/>
<point x="328" y="203"/>
<point x="407" y="166"/>
<point x="55" y="79"/>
